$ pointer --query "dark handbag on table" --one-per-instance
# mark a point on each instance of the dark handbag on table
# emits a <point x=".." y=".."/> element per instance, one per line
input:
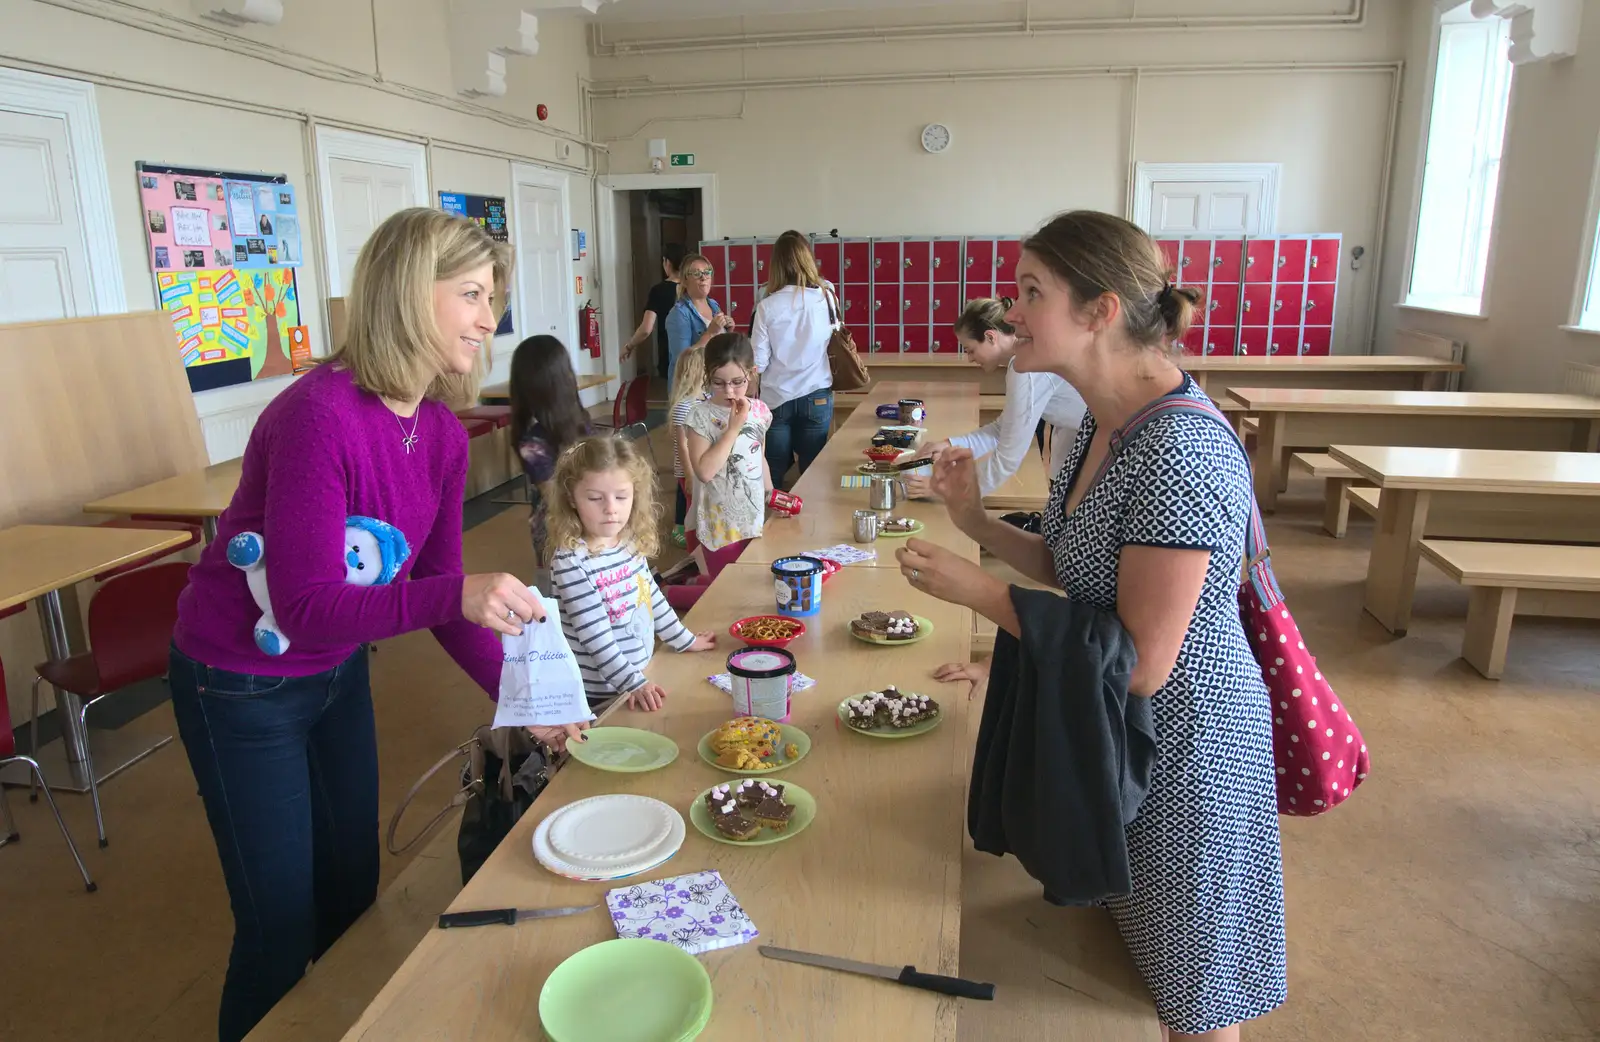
<point x="504" y="773"/>
<point x="844" y="361"/>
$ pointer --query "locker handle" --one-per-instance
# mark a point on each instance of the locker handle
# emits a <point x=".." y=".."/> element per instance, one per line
<point x="936" y="262"/>
<point x="1310" y="304"/>
<point x="936" y="303"/>
<point x="1215" y="304"/>
<point x="876" y="304"/>
<point x="1216" y="262"/>
<point x="907" y="262"/>
<point x="847" y="264"/>
<point x="1282" y="261"/>
<point x="1277" y="305"/>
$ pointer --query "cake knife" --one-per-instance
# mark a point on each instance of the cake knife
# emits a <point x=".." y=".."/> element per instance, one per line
<point x="506" y="916"/>
<point x="907" y="975"/>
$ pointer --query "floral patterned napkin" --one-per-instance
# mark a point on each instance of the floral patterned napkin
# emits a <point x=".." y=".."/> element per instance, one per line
<point x="696" y="912"/>
<point x="844" y="553"/>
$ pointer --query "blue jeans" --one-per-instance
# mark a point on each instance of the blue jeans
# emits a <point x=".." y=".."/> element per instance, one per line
<point x="799" y="428"/>
<point x="288" y="771"/>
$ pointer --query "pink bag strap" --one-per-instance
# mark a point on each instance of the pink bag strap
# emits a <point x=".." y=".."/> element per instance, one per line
<point x="1257" y="555"/>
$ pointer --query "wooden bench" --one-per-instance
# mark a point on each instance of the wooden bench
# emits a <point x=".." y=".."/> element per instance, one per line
<point x="1507" y="579"/>
<point x="1336" y="478"/>
<point x="1364" y="498"/>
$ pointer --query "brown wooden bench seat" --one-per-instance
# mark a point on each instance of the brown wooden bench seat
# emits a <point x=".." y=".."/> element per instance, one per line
<point x="1336" y="477"/>
<point x="1508" y="579"/>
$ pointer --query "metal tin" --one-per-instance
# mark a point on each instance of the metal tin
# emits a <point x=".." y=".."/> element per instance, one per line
<point x="798" y="584"/>
<point x="866" y="522"/>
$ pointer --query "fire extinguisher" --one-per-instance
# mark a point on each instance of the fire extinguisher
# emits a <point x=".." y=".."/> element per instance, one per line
<point x="589" y="323"/>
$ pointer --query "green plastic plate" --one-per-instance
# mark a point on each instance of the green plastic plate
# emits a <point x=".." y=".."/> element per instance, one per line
<point x="805" y="808"/>
<point x="801" y="740"/>
<point x="889" y="732"/>
<point x="668" y="994"/>
<point x="924" y="631"/>
<point x="626" y="750"/>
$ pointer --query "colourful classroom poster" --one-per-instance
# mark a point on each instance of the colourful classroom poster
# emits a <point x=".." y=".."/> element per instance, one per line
<point x="186" y="221"/>
<point x="232" y="325"/>
<point x="266" y="225"/>
<point x="490" y="213"/>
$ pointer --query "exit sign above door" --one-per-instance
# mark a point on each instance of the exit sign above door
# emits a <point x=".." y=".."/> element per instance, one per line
<point x="683" y="159"/>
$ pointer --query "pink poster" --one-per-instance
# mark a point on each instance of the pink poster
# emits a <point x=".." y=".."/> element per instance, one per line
<point x="187" y="221"/>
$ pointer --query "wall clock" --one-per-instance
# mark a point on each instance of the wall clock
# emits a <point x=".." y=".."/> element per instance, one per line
<point x="935" y="138"/>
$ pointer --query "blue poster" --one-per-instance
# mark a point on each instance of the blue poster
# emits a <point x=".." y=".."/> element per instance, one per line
<point x="265" y="225"/>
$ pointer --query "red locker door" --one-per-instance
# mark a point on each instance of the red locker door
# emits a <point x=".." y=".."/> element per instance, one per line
<point x="1006" y="254"/>
<point x="1194" y="341"/>
<point x="1194" y="262"/>
<point x="741" y="266"/>
<point x="886" y="337"/>
<point x="916" y="261"/>
<point x="944" y="340"/>
<point x="979" y="264"/>
<point x="1222" y="305"/>
<point x="1284" y="340"/>
<point x="1257" y="304"/>
<point x="1226" y="261"/>
<point x="827" y="254"/>
<point x="856" y="300"/>
<point x="717" y="254"/>
<point x="914" y="304"/>
<point x="1288" y="301"/>
<point x="1221" y="340"/>
<point x="740" y="302"/>
<point x="1259" y="257"/>
<point x="976" y="290"/>
<point x="1324" y="265"/>
<point x="1319" y="303"/>
<point x="1316" y="340"/>
<point x="857" y="261"/>
<point x="763" y="258"/>
<point x="886" y="260"/>
<point x="947" y="303"/>
<point x="1169" y="256"/>
<point x="1291" y="261"/>
<point x="916" y="339"/>
<point x="947" y="260"/>
<point x="1253" y="341"/>
<point x="886" y="303"/>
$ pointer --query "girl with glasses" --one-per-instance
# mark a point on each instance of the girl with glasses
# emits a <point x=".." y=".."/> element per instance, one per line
<point x="725" y="435"/>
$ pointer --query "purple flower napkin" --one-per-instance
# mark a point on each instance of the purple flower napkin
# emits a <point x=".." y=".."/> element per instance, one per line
<point x="696" y="912"/>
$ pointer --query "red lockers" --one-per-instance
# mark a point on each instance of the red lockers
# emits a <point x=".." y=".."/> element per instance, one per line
<point x="1268" y="296"/>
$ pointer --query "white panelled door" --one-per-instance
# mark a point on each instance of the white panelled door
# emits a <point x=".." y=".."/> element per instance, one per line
<point x="44" y="264"/>
<point x="363" y="195"/>
<point x="1205" y="208"/>
<point x="542" y="241"/>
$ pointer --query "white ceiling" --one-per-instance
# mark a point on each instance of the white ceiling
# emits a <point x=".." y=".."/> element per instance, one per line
<point x="670" y="10"/>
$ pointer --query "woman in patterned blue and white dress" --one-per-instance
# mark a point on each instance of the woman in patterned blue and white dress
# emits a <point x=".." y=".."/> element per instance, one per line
<point x="1158" y="537"/>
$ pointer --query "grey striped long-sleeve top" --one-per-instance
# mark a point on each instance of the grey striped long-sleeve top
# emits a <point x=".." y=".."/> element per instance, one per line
<point x="612" y="611"/>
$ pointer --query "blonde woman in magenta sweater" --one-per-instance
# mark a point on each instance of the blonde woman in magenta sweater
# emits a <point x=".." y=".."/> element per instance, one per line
<point x="283" y="745"/>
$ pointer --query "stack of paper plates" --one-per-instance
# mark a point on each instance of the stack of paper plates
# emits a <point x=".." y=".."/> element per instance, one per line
<point x="608" y="837"/>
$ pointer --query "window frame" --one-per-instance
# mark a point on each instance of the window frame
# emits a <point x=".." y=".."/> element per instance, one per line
<point x="1585" y="312"/>
<point x="1442" y="8"/>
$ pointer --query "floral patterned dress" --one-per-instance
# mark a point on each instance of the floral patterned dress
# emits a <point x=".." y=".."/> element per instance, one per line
<point x="732" y="505"/>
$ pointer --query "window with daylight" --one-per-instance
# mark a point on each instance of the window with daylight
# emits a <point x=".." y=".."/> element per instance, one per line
<point x="1588" y="304"/>
<point x="1461" y="172"/>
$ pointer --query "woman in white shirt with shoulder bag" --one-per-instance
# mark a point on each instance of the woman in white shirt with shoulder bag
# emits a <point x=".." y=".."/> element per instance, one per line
<point x="790" y="335"/>
<point x="986" y="336"/>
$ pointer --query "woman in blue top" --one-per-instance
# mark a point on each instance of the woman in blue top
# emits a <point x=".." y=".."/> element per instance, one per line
<point x="696" y="318"/>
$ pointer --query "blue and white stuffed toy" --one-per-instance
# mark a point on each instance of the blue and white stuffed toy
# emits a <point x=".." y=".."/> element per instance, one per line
<point x="373" y="553"/>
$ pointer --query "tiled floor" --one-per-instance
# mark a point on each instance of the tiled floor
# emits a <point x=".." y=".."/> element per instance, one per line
<point x="1456" y="896"/>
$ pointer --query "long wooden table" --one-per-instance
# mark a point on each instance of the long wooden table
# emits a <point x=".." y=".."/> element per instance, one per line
<point x="1466" y="494"/>
<point x="876" y="877"/>
<point x="36" y="563"/>
<point x="1217" y="374"/>
<point x="1316" y="419"/>
<point x="202" y="494"/>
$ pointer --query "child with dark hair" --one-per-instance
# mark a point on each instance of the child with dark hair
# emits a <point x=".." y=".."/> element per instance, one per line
<point x="546" y="417"/>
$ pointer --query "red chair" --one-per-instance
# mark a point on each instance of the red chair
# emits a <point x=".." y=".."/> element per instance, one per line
<point x="130" y="629"/>
<point x="499" y="415"/>
<point x="619" y="405"/>
<point x="9" y="754"/>
<point x="477" y="428"/>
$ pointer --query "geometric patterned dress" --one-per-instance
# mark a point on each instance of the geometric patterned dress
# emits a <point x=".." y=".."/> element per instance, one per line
<point x="1204" y="921"/>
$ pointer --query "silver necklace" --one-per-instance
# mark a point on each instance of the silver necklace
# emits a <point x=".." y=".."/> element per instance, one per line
<point x="409" y="440"/>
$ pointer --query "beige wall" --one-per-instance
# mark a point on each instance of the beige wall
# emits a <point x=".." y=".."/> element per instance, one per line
<point x="1548" y="161"/>
<point x="846" y="154"/>
<point x="321" y="63"/>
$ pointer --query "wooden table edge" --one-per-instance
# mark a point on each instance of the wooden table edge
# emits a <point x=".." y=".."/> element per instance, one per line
<point x="1509" y="486"/>
<point x="168" y="540"/>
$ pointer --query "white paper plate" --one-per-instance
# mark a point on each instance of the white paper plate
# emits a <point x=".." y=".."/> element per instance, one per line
<point x="608" y="837"/>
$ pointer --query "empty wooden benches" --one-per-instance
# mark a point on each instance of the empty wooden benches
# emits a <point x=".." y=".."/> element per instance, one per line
<point x="1336" y="477"/>
<point x="1508" y="579"/>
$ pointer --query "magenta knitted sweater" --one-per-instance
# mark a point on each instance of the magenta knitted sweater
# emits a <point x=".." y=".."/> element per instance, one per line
<point x="325" y="449"/>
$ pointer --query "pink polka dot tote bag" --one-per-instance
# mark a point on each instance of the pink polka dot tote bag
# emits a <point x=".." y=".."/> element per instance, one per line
<point x="1318" y="751"/>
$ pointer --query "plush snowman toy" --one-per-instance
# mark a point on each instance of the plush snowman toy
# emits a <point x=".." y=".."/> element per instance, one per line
<point x="373" y="553"/>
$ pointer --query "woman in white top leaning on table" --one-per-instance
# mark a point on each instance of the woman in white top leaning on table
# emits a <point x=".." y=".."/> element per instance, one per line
<point x="1000" y="446"/>
<point x="790" y="335"/>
